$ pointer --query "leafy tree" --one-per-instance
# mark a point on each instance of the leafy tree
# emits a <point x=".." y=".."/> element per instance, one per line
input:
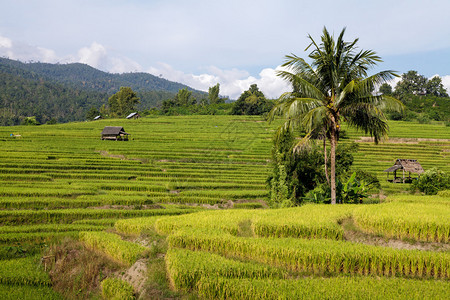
<point x="251" y="102"/>
<point x="30" y="121"/>
<point x="434" y="87"/>
<point x="92" y="113"/>
<point x="334" y="88"/>
<point x="213" y="95"/>
<point x="184" y="98"/>
<point x="412" y="83"/>
<point x="386" y="89"/>
<point x="123" y="102"/>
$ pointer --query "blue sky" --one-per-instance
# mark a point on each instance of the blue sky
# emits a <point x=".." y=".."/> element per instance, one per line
<point x="234" y="43"/>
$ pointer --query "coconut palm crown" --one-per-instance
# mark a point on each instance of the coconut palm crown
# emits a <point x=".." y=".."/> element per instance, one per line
<point x="335" y="87"/>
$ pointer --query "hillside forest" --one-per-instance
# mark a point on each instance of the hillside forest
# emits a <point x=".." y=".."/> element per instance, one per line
<point x="60" y="93"/>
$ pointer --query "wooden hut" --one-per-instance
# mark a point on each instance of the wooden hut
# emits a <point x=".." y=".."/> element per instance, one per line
<point x="115" y="133"/>
<point x="134" y="115"/>
<point x="406" y="166"/>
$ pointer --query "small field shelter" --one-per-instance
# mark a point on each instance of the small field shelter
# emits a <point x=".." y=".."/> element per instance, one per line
<point x="115" y="133"/>
<point x="406" y="166"/>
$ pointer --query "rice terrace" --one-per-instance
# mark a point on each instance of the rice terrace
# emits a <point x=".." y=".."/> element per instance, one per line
<point x="329" y="180"/>
<point x="149" y="200"/>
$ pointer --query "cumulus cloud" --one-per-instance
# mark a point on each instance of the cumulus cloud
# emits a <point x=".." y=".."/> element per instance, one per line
<point x="232" y="82"/>
<point x="446" y="82"/>
<point x="24" y="52"/>
<point x="95" y="55"/>
<point x="5" y="42"/>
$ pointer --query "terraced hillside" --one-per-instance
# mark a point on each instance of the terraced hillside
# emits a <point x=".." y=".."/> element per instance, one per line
<point x="61" y="180"/>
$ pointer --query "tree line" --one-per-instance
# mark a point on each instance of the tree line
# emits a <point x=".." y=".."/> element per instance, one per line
<point x="185" y="102"/>
<point x="425" y="99"/>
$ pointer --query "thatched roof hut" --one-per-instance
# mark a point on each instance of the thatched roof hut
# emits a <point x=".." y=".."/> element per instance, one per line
<point x="115" y="133"/>
<point x="405" y="165"/>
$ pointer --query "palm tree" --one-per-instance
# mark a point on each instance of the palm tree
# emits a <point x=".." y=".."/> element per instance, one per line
<point x="335" y="87"/>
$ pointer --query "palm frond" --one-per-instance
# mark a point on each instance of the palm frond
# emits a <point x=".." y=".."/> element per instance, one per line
<point x="367" y="117"/>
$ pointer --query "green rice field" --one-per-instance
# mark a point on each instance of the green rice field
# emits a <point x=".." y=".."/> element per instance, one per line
<point x="171" y="176"/>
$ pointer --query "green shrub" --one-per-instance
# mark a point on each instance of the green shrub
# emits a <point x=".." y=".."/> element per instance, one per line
<point x="117" y="289"/>
<point x="432" y="181"/>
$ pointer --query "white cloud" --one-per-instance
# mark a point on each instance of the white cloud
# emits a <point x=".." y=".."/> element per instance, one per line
<point x="24" y="52"/>
<point x="232" y="82"/>
<point x="5" y="42"/>
<point x="98" y="57"/>
<point x="95" y="55"/>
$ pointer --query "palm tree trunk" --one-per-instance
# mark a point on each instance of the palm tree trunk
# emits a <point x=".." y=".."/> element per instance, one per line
<point x="325" y="158"/>
<point x="333" y="143"/>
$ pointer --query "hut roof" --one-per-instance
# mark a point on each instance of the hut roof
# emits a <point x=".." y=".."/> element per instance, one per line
<point x="409" y="165"/>
<point x="113" y="130"/>
<point x="135" y="114"/>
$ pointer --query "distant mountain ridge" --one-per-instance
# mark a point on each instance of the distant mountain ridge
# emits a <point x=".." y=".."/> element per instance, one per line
<point x="67" y="91"/>
<point x="87" y="77"/>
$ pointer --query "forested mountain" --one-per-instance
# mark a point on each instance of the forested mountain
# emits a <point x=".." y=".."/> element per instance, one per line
<point x="65" y="92"/>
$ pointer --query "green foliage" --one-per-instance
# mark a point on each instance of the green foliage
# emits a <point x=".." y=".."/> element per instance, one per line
<point x="123" y="102"/>
<point x="293" y="173"/>
<point x="432" y="181"/>
<point x="30" y="121"/>
<point x="296" y="173"/>
<point x="349" y="189"/>
<point x="92" y="113"/>
<point x="213" y="95"/>
<point x="333" y="88"/>
<point x="434" y="87"/>
<point x="372" y="183"/>
<point x="117" y="289"/>
<point x="353" y="191"/>
<point x="344" y="157"/>
<point x="251" y="102"/>
<point x="67" y="91"/>
<point x="413" y="83"/>
<point x="52" y="121"/>
<point x="386" y="89"/>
